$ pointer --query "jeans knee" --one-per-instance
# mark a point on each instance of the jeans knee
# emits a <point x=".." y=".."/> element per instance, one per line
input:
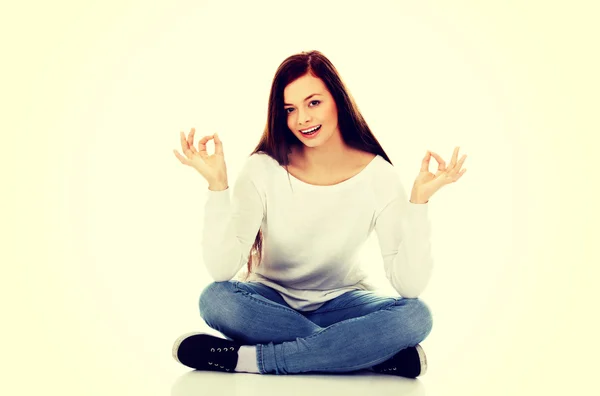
<point x="213" y="296"/>
<point x="419" y="318"/>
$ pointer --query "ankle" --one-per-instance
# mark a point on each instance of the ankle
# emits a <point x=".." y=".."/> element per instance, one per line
<point x="247" y="361"/>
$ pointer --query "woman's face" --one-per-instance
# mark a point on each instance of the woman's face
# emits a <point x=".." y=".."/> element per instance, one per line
<point x="305" y="110"/>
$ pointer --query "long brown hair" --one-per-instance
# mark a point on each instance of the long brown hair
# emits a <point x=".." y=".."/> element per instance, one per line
<point x="277" y="140"/>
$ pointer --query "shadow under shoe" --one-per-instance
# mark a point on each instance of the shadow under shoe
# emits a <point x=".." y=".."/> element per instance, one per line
<point x="202" y="351"/>
<point x="410" y="362"/>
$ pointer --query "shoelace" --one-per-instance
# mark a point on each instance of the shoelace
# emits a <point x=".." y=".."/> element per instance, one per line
<point x="223" y="358"/>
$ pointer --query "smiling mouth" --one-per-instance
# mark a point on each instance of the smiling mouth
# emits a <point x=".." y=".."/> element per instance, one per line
<point x="313" y="131"/>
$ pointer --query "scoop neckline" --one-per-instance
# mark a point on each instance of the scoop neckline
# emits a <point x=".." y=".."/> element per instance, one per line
<point x="352" y="179"/>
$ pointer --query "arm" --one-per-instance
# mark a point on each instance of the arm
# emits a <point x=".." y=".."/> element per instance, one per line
<point x="231" y="224"/>
<point x="404" y="233"/>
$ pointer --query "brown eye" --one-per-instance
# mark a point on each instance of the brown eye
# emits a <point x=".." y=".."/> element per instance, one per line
<point x="311" y="102"/>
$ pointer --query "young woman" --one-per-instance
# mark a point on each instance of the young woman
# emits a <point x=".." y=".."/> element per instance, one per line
<point x="307" y="198"/>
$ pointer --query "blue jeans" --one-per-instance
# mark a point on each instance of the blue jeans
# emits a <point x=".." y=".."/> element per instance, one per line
<point x="354" y="331"/>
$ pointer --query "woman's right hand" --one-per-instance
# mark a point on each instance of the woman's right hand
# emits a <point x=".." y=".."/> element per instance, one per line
<point x="211" y="167"/>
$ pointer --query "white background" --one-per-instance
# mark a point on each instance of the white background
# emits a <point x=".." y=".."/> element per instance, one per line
<point x="102" y="264"/>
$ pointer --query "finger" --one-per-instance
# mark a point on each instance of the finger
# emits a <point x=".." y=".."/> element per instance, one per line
<point x="425" y="162"/>
<point x="190" y="141"/>
<point x="191" y="144"/>
<point x="440" y="161"/>
<point x="181" y="158"/>
<point x="218" y="144"/>
<point x="184" y="143"/>
<point x="462" y="172"/>
<point x="202" y="146"/>
<point x="454" y="157"/>
<point x="459" y="164"/>
<point x="190" y="138"/>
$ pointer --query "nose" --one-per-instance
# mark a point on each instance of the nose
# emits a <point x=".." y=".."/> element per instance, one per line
<point x="303" y="118"/>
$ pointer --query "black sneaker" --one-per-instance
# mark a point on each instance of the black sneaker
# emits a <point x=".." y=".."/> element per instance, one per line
<point x="202" y="351"/>
<point x="410" y="362"/>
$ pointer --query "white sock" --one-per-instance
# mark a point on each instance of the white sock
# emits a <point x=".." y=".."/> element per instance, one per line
<point x="247" y="359"/>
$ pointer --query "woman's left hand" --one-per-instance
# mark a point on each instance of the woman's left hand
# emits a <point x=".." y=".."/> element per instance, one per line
<point x="426" y="183"/>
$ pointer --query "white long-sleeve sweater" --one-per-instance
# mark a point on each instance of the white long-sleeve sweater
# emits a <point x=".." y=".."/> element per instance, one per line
<point x="312" y="234"/>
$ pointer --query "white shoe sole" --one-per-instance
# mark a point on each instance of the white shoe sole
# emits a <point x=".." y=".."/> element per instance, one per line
<point x="178" y="342"/>
<point x="422" y="359"/>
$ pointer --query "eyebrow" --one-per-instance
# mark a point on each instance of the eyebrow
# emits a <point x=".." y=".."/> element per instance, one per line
<point x="305" y="99"/>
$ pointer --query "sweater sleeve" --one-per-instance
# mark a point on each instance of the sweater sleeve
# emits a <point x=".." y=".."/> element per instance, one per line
<point x="231" y="224"/>
<point x="404" y="233"/>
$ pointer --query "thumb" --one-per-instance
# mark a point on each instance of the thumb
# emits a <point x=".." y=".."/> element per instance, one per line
<point x="218" y="144"/>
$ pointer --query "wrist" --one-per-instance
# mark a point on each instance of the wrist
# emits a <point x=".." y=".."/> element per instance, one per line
<point x="218" y="186"/>
<point x="418" y="196"/>
<point x="417" y="199"/>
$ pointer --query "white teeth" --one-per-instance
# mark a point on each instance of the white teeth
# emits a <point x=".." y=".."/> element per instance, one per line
<point x="311" y="130"/>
